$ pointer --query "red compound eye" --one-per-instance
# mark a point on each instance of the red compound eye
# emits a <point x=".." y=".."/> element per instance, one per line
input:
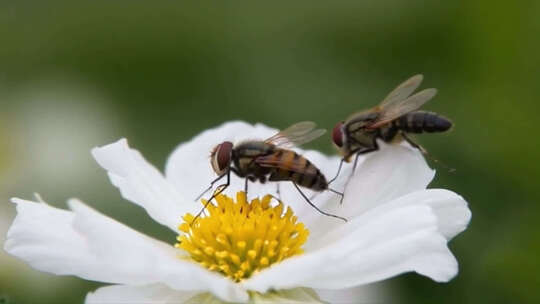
<point x="221" y="157"/>
<point x="337" y="135"/>
<point x="224" y="154"/>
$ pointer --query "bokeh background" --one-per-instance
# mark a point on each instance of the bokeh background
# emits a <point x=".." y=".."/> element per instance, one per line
<point x="78" y="75"/>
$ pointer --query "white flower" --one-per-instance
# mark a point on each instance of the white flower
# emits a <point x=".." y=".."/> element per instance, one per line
<point x="395" y="226"/>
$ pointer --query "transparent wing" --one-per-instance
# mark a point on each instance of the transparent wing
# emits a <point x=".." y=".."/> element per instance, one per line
<point x="371" y="113"/>
<point x="403" y="107"/>
<point x="296" y="135"/>
<point x="402" y="91"/>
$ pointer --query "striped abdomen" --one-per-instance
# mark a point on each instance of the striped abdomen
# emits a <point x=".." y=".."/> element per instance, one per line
<point x="422" y="121"/>
<point x="289" y="165"/>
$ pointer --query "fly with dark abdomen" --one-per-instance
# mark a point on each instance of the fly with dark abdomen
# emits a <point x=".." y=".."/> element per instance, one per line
<point x="271" y="160"/>
<point x="395" y="117"/>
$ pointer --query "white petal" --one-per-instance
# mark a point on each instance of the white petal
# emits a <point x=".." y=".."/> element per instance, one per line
<point x="189" y="169"/>
<point x="450" y="209"/>
<point x="90" y="245"/>
<point x="155" y="293"/>
<point x="290" y="296"/>
<point x="453" y="214"/>
<point x="43" y="237"/>
<point x="153" y="260"/>
<point x="382" y="245"/>
<point x="371" y="293"/>
<point x="142" y="183"/>
<point x="161" y="294"/>
<point x="391" y="172"/>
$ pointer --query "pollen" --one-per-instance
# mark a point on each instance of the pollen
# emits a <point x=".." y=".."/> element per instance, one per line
<point x="239" y="238"/>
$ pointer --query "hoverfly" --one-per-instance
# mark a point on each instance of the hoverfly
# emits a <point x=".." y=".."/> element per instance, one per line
<point x="392" y="119"/>
<point x="271" y="160"/>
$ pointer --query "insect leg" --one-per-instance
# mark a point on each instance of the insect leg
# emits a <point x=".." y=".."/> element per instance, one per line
<point x="317" y="208"/>
<point x="211" y="185"/>
<point x="425" y="152"/>
<point x="358" y="152"/>
<point x="246" y="185"/>
<point x="374" y="148"/>
<point x="338" y="193"/>
<point x="338" y="171"/>
<point x="221" y="188"/>
<point x="235" y="171"/>
<point x="414" y="144"/>
<point x="277" y="191"/>
<point x="355" y="163"/>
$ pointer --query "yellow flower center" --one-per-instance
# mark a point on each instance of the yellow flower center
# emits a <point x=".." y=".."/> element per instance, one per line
<point x="240" y="238"/>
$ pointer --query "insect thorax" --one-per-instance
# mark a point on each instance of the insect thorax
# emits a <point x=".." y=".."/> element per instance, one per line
<point x="244" y="158"/>
<point x="361" y="139"/>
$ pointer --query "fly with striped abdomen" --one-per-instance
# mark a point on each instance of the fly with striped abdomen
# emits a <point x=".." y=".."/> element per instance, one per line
<point x="390" y="121"/>
<point x="271" y="160"/>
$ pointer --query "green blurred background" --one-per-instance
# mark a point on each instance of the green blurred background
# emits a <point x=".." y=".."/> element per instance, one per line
<point x="74" y="76"/>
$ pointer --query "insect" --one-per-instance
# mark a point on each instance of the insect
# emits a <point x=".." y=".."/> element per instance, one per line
<point x="271" y="160"/>
<point x="391" y="120"/>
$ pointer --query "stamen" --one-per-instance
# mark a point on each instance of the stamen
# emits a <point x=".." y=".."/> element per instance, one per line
<point x="239" y="238"/>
